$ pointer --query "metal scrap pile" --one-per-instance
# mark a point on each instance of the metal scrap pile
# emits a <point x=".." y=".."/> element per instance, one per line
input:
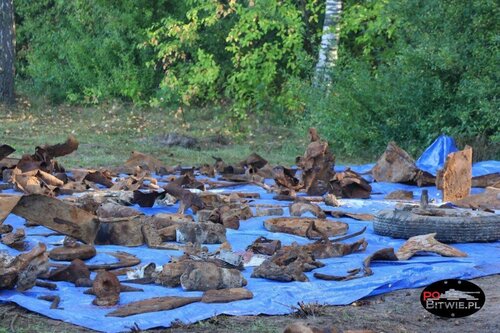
<point x="104" y="214"/>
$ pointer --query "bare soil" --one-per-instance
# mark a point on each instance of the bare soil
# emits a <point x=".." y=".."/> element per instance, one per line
<point x="398" y="311"/>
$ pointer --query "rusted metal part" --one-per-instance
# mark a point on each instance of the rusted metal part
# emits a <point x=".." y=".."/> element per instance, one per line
<point x="54" y="299"/>
<point x="226" y="295"/>
<point x="316" y="164"/>
<point x="58" y="215"/>
<point x="455" y="179"/>
<point x="400" y="195"/>
<point x="488" y="200"/>
<point x="124" y="260"/>
<point x="287" y="264"/>
<point x="153" y="305"/>
<point x="395" y="166"/>
<point x="106" y="288"/>
<point x="299" y="225"/>
<point x="299" y="208"/>
<point x="23" y="270"/>
<point x="349" y="184"/>
<point x="208" y="276"/>
<point x="426" y="243"/>
<point x="265" y="246"/>
<point x="78" y="251"/>
<point x="355" y="216"/>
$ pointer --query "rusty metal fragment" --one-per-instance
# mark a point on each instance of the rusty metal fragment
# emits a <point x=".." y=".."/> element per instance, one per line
<point x="325" y="249"/>
<point x="201" y="233"/>
<point x="77" y="272"/>
<point x="455" y="178"/>
<point x="350" y="184"/>
<point x="488" y="200"/>
<point x="382" y="254"/>
<point x="286" y="181"/>
<point x="287" y="264"/>
<point x="355" y="216"/>
<point x="264" y="246"/>
<point x="114" y="210"/>
<point x="426" y="243"/>
<point x="71" y="252"/>
<point x="395" y="166"/>
<point x="54" y="299"/>
<point x="59" y="216"/>
<point x="153" y="305"/>
<point x="261" y="210"/>
<point x="226" y="295"/>
<point x="207" y="276"/>
<point x="400" y="195"/>
<point x="299" y="208"/>
<point x="5" y="150"/>
<point x="106" y="287"/>
<point x="299" y="226"/>
<point x="23" y="270"/>
<point x="486" y="180"/>
<point x="125" y="231"/>
<point x="15" y="240"/>
<point x="60" y="149"/>
<point x="316" y="164"/>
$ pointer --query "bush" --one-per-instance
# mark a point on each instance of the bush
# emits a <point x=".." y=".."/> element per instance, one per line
<point x="407" y="74"/>
<point x="246" y="52"/>
<point x="87" y="50"/>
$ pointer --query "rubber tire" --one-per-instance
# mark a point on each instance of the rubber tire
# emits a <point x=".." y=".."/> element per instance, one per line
<point x="449" y="229"/>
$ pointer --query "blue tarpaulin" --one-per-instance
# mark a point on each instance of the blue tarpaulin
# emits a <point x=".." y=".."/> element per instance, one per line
<point x="270" y="297"/>
<point x="434" y="156"/>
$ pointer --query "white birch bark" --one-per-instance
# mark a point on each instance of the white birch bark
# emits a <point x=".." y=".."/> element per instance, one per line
<point x="329" y="41"/>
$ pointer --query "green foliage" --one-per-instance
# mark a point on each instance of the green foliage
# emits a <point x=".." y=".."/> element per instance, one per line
<point x="246" y="52"/>
<point x="409" y="71"/>
<point x="87" y="50"/>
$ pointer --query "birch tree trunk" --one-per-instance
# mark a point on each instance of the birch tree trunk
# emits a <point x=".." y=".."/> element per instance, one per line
<point x="329" y="41"/>
<point x="7" y="51"/>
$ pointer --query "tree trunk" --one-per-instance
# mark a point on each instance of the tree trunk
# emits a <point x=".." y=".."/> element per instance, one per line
<point x="329" y="41"/>
<point x="7" y="51"/>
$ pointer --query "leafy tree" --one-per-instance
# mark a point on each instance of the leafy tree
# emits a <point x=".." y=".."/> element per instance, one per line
<point x="7" y="51"/>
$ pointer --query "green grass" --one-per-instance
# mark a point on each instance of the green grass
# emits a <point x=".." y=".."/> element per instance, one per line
<point x="109" y="132"/>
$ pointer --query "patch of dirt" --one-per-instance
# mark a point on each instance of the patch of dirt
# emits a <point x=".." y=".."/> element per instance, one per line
<point x="398" y="312"/>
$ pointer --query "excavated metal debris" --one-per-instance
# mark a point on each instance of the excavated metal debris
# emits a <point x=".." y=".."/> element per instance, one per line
<point x="355" y="216"/>
<point x="120" y="231"/>
<point x="5" y="150"/>
<point x="23" y="270"/>
<point x="77" y="272"/>
<point x="488" y="200"/>
<point x="15" y="240"/>
<point x="201" y="233"/>
<point x="455" y="178"/>
<point x="59" y="216"/>
<point x="326" y="249"/>
<point x="265" y="246"/>
<point x="72" y="250"/>
<point x="316" y="164"/>
<point x="207" y="276"/>
<point x="395" y="166"/>
<point x="299" y="226"/>
<point x="153" y="305"/>
<point x="299" y="208"/>
<point x="287" y="264"/>
<point x="262" y="210"/>
<point x="226" y="295"/>
<point x="106" y="288"/>
<point x="400" y="195"/>
<point x="426" y="243"/>
<point x="349" y="184"/>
